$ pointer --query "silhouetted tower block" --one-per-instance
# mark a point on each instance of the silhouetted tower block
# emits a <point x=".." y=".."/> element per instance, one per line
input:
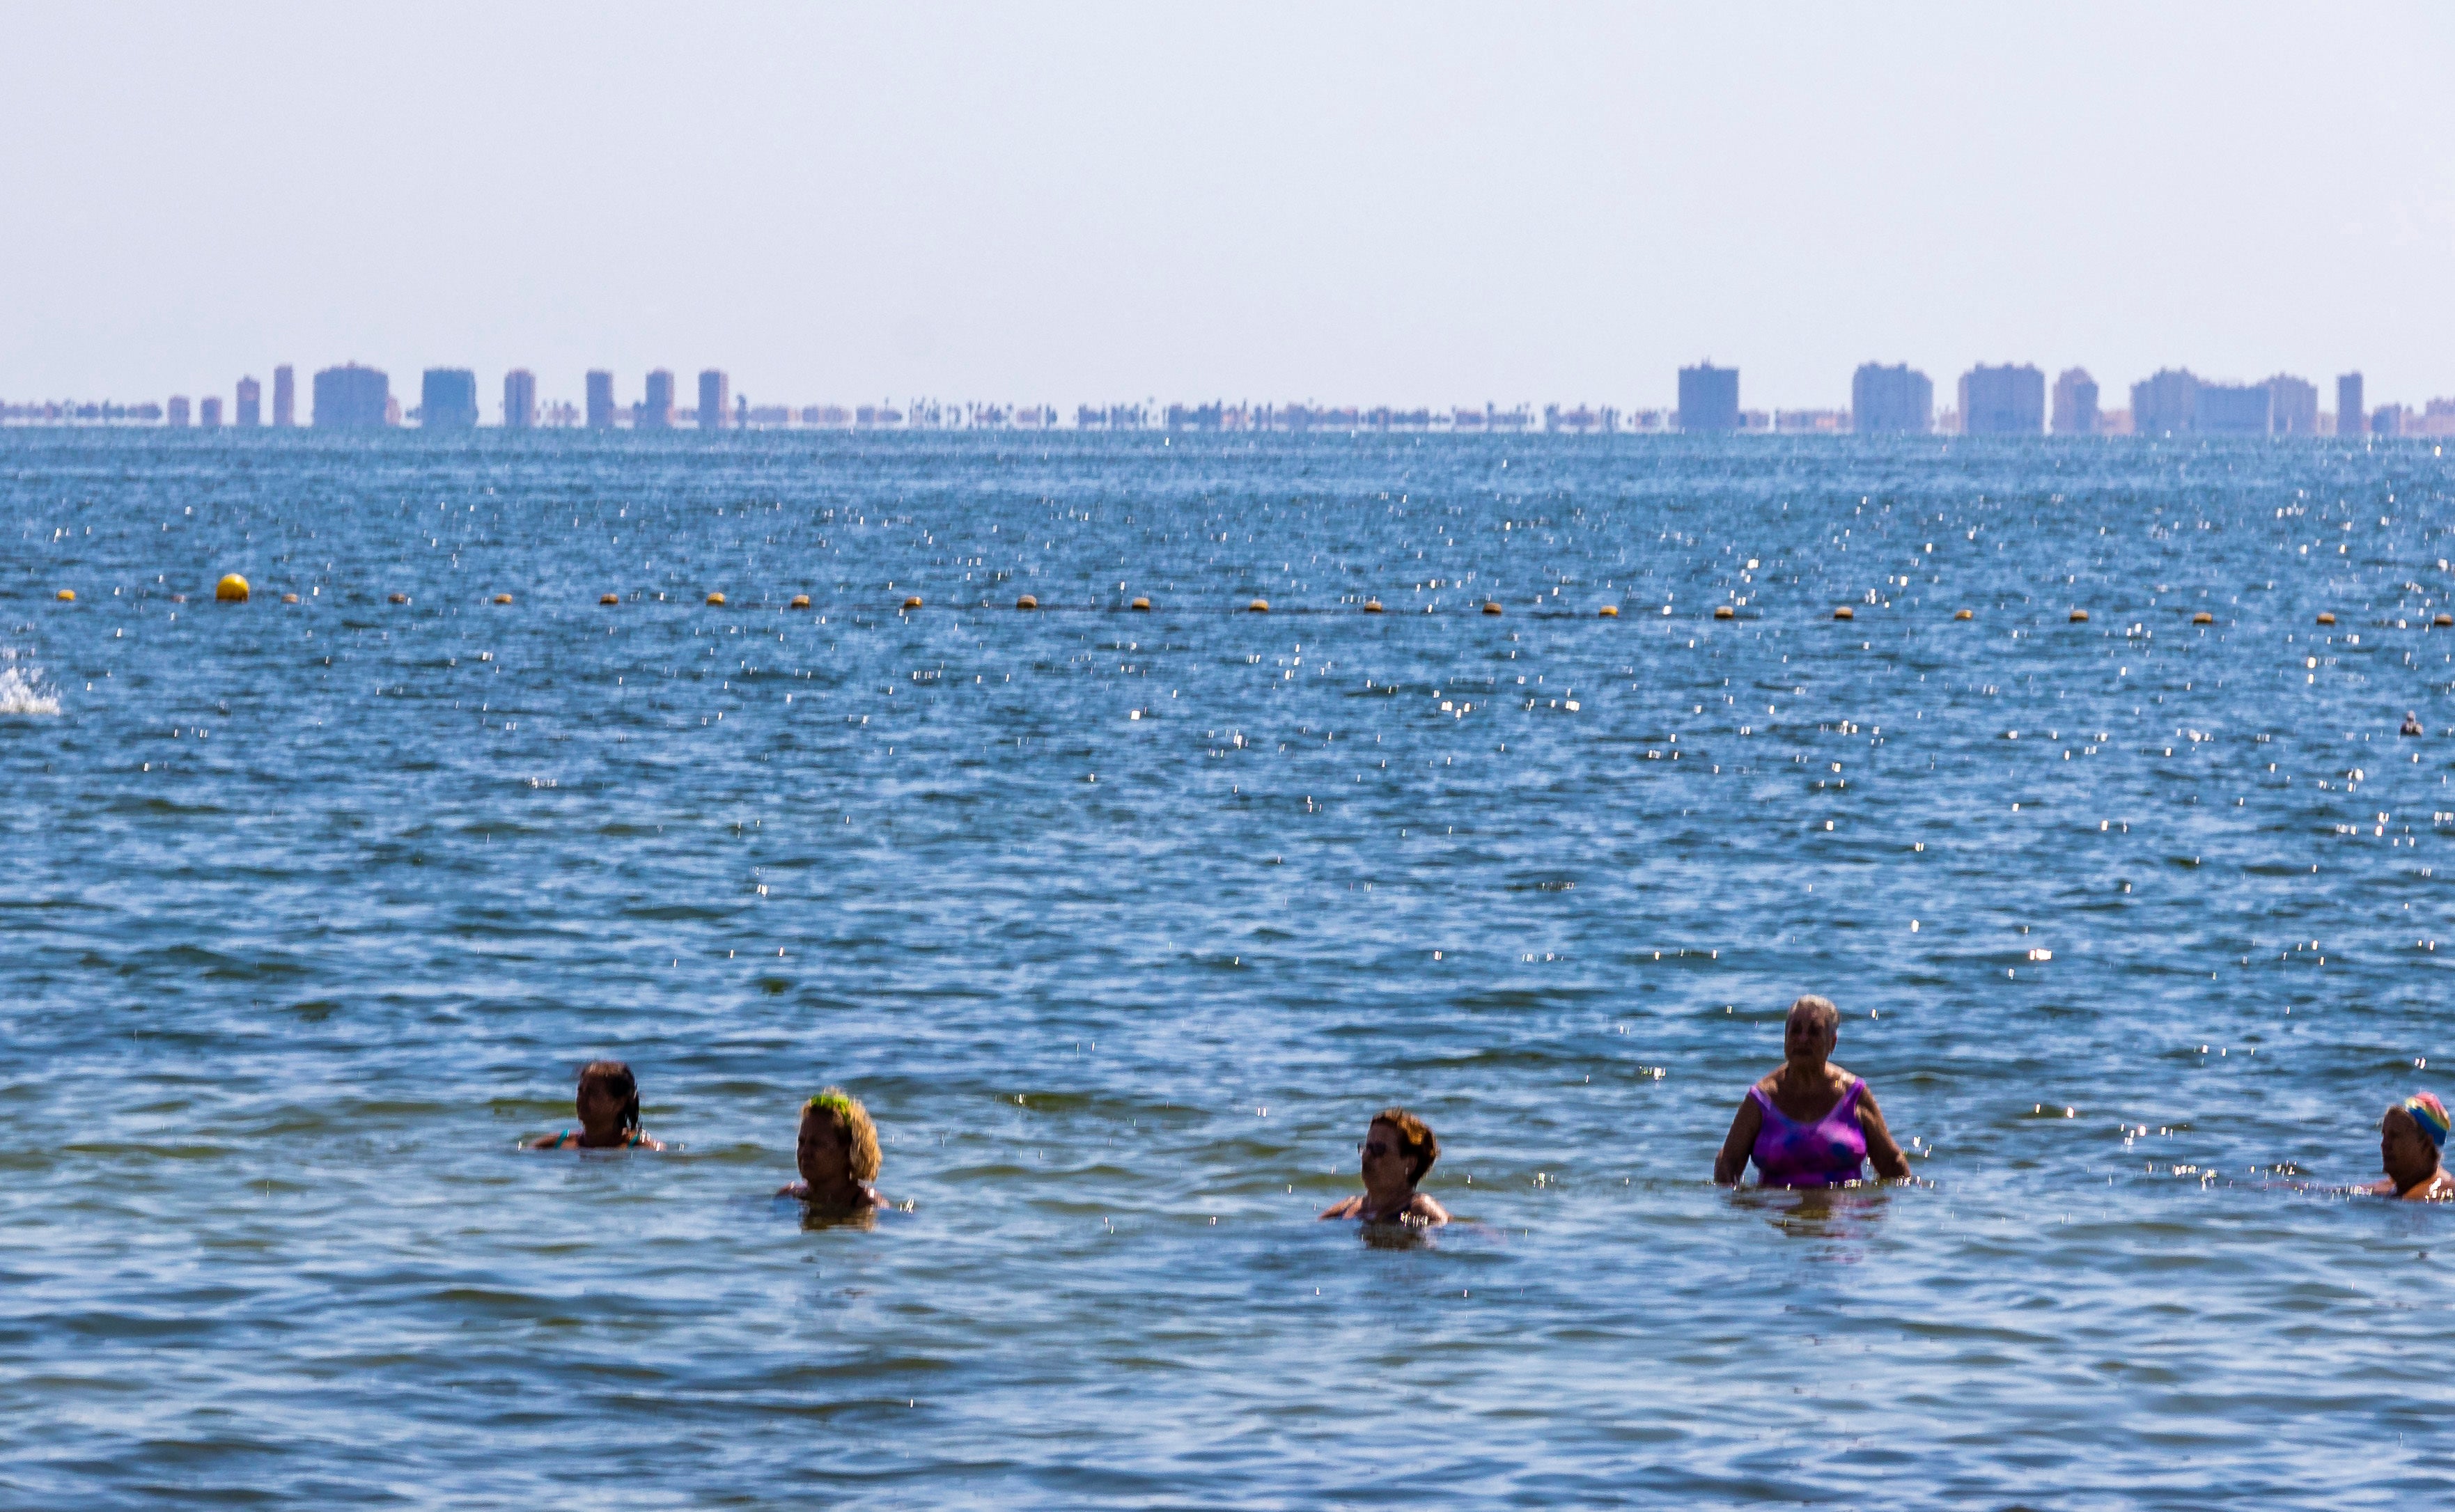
<point x="520" y="400"/>
<point x="353" y="398"/>
<point x="1709" y="398"/>
<point x="2002" y="401"/>
<point x="600" y="400"/>
<point x="251" y="404"/>
<point x="2075" y="403"/>
<point x="1898" y="401"/>
<point x="285" y="398"/>
<point x="657" y="410"/>
<point x="2292" y="406"/>
<point x="2166" y="404"/>
<point x="448" y="399"/>
<point x="2351" y="418"/>
<point x="715" y="400"/>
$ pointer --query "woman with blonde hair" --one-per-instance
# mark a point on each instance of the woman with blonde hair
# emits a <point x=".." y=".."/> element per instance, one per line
<point x="837" y="1154"/>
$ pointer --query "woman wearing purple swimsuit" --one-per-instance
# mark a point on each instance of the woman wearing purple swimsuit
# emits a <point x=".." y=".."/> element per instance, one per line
<point x="1810" y="1123"/>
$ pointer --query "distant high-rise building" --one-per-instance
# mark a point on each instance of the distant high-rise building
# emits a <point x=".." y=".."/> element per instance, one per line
<point x="448" y="399"/>
<point x="1709" y="398"/>
<point x="657" y="410"/>
<point x="715" y="400"/>
<point x="2349" y="412"/>
<point x="1898" y="401"/>
<point x="251" y="404"/>
<point x="2387" y="420"/>
<point x="2166" y="404"/>
<point x="2231" y="409"/>
<point x="600" y="400"/>
<point x="520" y="400"/>
<point x="2075" y="403"/>
<point x="177" y="414"/>
<point x="285" y="398"/>
<point x="352" y="397"/>
<point x="209" y="412"/>
<point x="2002" y="401"/>
<point x="2292" y="406"/>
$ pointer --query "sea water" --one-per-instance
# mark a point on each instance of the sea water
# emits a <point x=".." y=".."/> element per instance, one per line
<point x="1124" y="922"/>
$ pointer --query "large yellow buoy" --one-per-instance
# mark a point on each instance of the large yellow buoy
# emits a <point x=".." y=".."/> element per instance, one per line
<point x="1259" y="606"/>
<point x="1143" y="604"/>
<point x="800" y="601"/>
<point x="65" y="595"/>
<point x="1609" y="611"/>
<point x="1025" y="601"/>
<point x="1491" y="605"/>
<point x="230" y="589"/>
<point x="1372" y="606"/>
<point x="1845" y="612"/>
<point x="1725" y="612"/>
<point x="718" y="599"/>
<point x="2080" y="616"/>
<point x="1963" y="614"/>
<point x="2444" y="620"/>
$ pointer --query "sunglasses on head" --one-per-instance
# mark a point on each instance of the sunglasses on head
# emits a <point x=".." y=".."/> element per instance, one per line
<point x="1375" y="1149"/>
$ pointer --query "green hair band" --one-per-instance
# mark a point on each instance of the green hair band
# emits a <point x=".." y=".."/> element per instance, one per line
<point x="835" y="1102"/>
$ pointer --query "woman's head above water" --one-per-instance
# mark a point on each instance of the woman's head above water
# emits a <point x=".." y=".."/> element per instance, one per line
<point x="836" y="1148"/>
<point x="609" y="1095"/>
<point x="1810" y="1032"/>
<point x="1398" y="1150"/>
<point x="2412" y="1139"/>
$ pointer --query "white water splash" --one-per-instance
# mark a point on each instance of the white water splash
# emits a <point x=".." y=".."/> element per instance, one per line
<point x="21" y="688"/>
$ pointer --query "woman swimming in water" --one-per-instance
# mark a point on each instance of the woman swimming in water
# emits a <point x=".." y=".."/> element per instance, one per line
<point x="609" y="1113"/>
<point x="2412" y="1137"/>
<point x="1398" y="1148"/>
<point x="837" y="1154"/>
<point x="1810" y="1123"/>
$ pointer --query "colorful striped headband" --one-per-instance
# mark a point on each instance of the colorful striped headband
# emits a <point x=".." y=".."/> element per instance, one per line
<point x="2431" y="1114"/>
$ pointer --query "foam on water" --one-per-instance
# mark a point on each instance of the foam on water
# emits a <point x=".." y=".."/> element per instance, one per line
<point x="22" y="689"/>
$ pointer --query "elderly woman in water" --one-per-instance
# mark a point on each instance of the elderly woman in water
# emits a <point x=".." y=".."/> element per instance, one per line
<point x="1398" y="1148"/>
<point x="837" y="1154"/>
<point x="2412" y="1137"/>
<point x="1809" y="1123"/>
<point x="609" y="1113"/>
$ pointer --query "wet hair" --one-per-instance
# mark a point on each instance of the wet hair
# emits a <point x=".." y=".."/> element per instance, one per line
<point x="1826" y="1016"/>
<point x="615" y="1077"/>
<point x="1416" y="1140"/>
<point x="851" y="1120"/>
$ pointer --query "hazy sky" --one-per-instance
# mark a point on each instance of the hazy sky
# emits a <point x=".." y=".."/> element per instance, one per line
<point x="1407" y="203"/>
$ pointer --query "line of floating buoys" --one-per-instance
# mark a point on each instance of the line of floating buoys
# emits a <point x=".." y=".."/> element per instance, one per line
<point x="1609" y="611"/>
<point x="1026" y="601"/>
<point x="1964" y="614"/>
<point x="2204" y="617"/>
<point x="1372" y="606"/>
<point x="1259" y="606"/>
<point x="399" y="598"/>
<point x="230" y="589"/>
<point x="2326" y="618"/>
<point x="502" y="598"/>
<point x="1491" y="606"/>
<point x="2080" y="616"/>
<point x="715" y="599"/>
<point x="1143" y="604"/>
<point x="800" y="601"/>
<point x="1845" y="612"/>
<point x="1725" y="612"/>
<point x="609" y="599"/>
<point x="65" y="595"/>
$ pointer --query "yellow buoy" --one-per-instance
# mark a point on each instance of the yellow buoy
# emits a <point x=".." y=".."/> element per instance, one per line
<point x="502" y="598"/>
<point x="230" y="589"/>
<point x="2204" y="617"/>
<point x="1259" y="606"/>
<point x="1725" y="612"/>
<point x="609" y="599"/>
<point x="1372" y="606"/>
<point x="718" y="599"/>
<point x="290" y="598"/>
<point x="65" y="595"/>
<point x="1143" y="604"/>
<point x="800" y="601"/>
<point x="1611" y="611"/>
<point x="400" y="598"/>
<point x="2444" y="620"/>
<point x="2080" y="616"/>
<point x="1026" y="601"/>
<point x="1963" y="614"/>
<point x="2326" y="619"/>
<point x="1845" y="612"/>
<point x="913" y="602"/>
<point x="1491" y="606"/>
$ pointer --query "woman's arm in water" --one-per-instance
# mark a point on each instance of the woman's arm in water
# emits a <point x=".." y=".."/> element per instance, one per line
<point x="1732" y="1163"/>
<point x="1891" y="1164"/>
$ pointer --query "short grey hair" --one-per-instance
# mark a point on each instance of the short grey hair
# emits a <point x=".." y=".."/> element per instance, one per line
<point x="1819" y="1010"/>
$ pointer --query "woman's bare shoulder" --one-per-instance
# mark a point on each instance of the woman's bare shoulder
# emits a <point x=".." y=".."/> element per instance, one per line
<point x="1424" y="1209"/>
<point x="1344" y="1207"/>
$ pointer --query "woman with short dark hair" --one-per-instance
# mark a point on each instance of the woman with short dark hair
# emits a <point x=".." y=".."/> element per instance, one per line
<point x="608" y="1102"/>
<point x="1398" y="1149"/>
<point x="1809" y="1122"/>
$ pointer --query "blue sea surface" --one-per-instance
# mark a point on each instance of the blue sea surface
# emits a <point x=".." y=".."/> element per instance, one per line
<point x="1124" y="923"/>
